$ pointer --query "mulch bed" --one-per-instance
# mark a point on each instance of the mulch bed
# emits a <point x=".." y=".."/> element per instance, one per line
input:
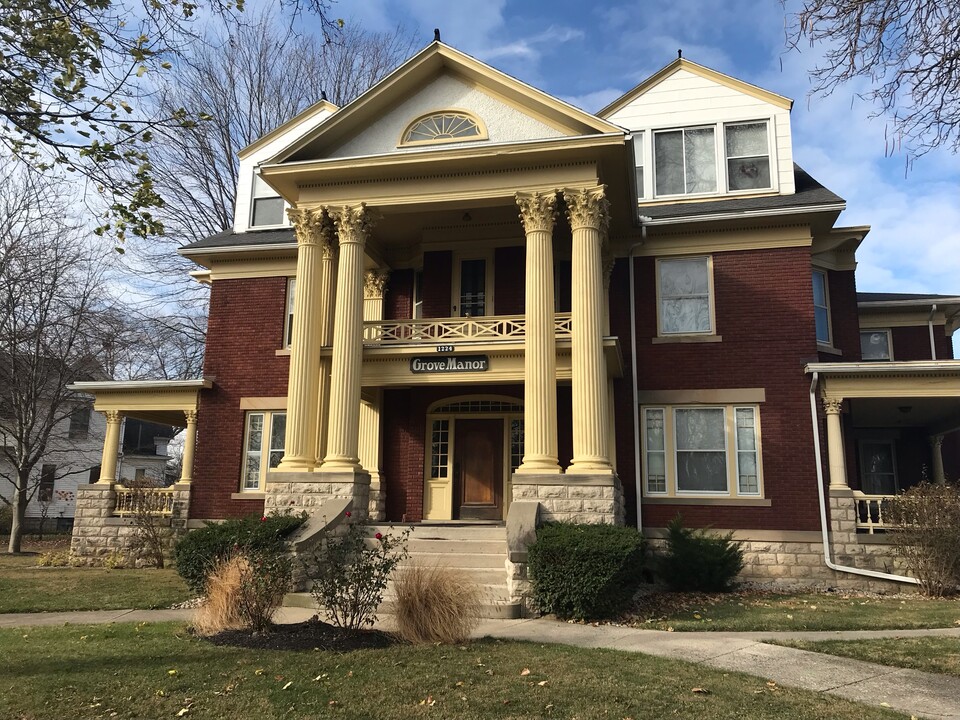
<point x="310" y="635"/>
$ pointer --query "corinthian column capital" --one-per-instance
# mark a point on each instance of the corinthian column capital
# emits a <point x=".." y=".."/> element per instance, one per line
<point x="354" y="223"/>
<point x="832" y="405"/>
<point x="588" y="208"/>
<point x="537" y="212"/>
<point x="374" y="283"/>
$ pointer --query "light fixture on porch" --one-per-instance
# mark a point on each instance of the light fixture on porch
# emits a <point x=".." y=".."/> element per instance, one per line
<point x="905" y="408"/>
<point x="467" y="217"/>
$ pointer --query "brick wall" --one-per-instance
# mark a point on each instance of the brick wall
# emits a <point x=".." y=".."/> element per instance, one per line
<point x="509" y="280"/>
<point x="244" y="332"/>
<point x="913" y="343"/>
<point x="844" y="316"/>
<point x="764" y="312"/>
<point x="398" y="302"/>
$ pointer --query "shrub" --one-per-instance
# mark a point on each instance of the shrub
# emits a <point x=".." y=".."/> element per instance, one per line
<point x="199" y="551"/>
<point x="585" y="571"/>
<point x="351" y="572"/>
<point x="927" y="517"/>
<point x="6" y="519"/>
<point x="243" y="591"/>
<point x="435" y="605"/>
<point x="696" y="560"/>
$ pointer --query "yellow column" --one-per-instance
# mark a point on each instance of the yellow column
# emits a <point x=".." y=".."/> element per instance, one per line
<point x="304" y="379"/>
<point x="328" y="283"/>
<point x="111" y="447"/>
<point x="835" y="451"/>
<point x="538" y="214"/>
<point x="589" y="217"/>
<point x="374" y="284"/>
<point x="189" y="446"/>
<point x="353" y="225"/>
<point x="936" y="449"/>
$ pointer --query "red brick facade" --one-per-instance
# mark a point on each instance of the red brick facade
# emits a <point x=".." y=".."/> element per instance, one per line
<point x="913" y="343"/>
<point x="244" y="332"/>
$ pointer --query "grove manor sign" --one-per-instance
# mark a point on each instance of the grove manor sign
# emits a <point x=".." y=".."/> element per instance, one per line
<point x="449" y="364"/>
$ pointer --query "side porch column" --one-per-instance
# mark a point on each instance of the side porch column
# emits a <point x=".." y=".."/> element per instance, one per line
<point x="835" y="452"/>
<point x="304" y="379"/>
<point x="371" y="430"/>
<point x="353" y="225"/>
<point x="189" y="446"/>
<point x="111" y="447"/>
<point x="936" y="449"/>
<point x="588" y="211"/>
<point x="538" y="214"/>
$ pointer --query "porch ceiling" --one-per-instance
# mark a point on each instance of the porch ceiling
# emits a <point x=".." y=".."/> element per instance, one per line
<point x="937" y="414"/>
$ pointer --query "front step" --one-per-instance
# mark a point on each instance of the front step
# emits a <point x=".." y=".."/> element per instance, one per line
<point x="477" y="550"/>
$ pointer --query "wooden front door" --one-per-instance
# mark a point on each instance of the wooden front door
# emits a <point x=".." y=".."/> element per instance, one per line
<point x="478" y="470"/>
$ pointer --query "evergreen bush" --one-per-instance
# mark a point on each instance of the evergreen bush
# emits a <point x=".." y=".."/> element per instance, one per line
<point x="199" y="551"/>
<point x="585" y="571"/>
<point x="698" y="561"/>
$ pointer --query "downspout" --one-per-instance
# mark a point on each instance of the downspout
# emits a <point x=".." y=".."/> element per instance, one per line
<point x="823" y="502"/>
<point x="633" y="358"/>
<point x="933" y="345"/>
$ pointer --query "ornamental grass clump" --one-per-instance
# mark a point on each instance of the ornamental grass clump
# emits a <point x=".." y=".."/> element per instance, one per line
<point x="585" y="571"/>
<point x="927" y="535"/>
<point x="698" y="561"/>
<point x="435" y="604"/>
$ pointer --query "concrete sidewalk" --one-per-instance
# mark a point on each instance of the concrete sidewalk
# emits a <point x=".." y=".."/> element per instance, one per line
<point x="916" y="693"/>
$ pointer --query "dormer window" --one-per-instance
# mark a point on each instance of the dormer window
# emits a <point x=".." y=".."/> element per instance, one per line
<point x="267" y="208"/>
<point x="705" y="160"/>
<point x="443" y="127"/>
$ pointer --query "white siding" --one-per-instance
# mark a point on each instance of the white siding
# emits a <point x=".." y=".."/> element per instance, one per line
<point x="503" y="121"/>
<point x="685" y="99"/>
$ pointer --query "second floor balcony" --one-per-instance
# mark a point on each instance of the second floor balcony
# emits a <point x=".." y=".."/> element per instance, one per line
<point x="459" y="330"/>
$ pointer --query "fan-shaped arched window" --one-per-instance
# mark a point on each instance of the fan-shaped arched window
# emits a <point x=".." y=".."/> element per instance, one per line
<point x="441" y="127"/>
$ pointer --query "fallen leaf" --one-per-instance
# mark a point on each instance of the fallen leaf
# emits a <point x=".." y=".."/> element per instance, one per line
<point x="524" y="672"/>
<point x="884" y="704"/>
<point x="771" y="683"/>
<point x="183" y="711"/>
<point x="542" y="683"/>
<point x="333" y="702"/>
<point x="459" y="683"/>
<point x="258" y="671"/>
<point x="171" y="672"/>
<point x="287" y="685"/>
<point x="700" y="691"/>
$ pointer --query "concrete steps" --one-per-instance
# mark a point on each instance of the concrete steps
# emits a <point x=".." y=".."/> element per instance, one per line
<point x="477" y="550"/>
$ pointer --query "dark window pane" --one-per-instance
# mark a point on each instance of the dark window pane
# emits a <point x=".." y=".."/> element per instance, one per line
<point x="268" y="211"/>
<point x="473" y="288"/>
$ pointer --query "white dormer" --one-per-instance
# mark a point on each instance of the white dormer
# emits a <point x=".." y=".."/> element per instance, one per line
<point x="700" y="134"/>
<point x="259" y="206"/>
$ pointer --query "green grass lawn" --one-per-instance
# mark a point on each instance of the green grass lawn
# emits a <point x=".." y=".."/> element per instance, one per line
<point x="158" y="670"/>
<point x="764" y="611"/>
<point x="929" y="654"/>
<point x="24" y="587"/>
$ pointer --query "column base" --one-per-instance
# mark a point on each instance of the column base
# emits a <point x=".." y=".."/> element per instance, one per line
<point x="539" y="466"/>
<point x="592" y="466"/>
<point x="295" y="464"/>
<point x="304" y="491"/>
<point x="341" y="465"/>
<point x="591" y="499"/>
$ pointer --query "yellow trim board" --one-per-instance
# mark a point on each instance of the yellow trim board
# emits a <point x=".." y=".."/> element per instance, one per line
<point x="718" y="77"/>
<point x="297" y="119"/>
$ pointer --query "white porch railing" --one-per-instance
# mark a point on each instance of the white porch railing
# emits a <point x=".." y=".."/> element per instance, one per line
<point x="156" y="501"/>
<point x="871" y="510"/>
<point x="451" y="330"/>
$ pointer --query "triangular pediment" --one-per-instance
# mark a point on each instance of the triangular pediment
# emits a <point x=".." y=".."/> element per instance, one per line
<point x="441" y="80"/>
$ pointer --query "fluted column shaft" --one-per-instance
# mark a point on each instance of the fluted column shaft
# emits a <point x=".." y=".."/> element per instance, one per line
<point x="936" y="449"/>
<point x="328" y="284"/>
<point x="189" y="446"/>
<point x="111" y="447"/>
<point x="835" y="452"/>
<point x="538" y="214"/>
<point x="588" y="214"/>
<point x="300" y="448"/>
<point x="374" y="284"/>
<point x="353" y="225"/>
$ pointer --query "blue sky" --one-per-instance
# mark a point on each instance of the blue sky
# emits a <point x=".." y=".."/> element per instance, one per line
<point x="589" y="54"/>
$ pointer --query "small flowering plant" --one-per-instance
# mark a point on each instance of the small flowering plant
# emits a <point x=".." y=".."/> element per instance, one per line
<point x="352" y="572"/>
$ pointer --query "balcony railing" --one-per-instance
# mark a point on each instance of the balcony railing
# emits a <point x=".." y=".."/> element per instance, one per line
<point x="871" y="511"/>
<point x="151" y="501"/>
<point x="454" y="330"/>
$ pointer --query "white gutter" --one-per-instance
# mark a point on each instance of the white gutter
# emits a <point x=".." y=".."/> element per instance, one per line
<point x="933" y="345"/>
<point x="823" y="502"/>
<point x="735" y="214"/>
<point x="188" y="251"/>
<point x="638" y="473"/>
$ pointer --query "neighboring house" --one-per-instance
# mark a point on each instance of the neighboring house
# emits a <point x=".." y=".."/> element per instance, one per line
<point x="145" y="455"/>
<point x="487" y="305"/>
<point x="74" y="453"/>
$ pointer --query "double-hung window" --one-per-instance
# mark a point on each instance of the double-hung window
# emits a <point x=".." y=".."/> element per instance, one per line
<point x="684" y="296"/>
<point x="267" y="206"/>
<point x="701" y="451"/>
<point x="876" y="345"/>
<point x="288" y="320"/>
<point x="748" y="156"/>
<point x="821" y="307"/>
<point x="686" y="161"/>
<point x="262" y="447"/>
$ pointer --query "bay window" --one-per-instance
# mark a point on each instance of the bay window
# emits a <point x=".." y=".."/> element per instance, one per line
<point x="701" y="451"/>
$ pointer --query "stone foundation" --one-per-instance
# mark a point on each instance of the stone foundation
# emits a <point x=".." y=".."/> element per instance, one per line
<point x="297" y="492"/>
<point x="573" y="498"/>
<point x="377" y="506"/>
<point x="98" y="534"/>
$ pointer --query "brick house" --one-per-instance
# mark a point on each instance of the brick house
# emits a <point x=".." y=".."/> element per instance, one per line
<point x="460" y="301"/>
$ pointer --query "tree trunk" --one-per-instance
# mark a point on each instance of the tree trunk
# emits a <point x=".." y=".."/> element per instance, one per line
<point x="19" y="508"/>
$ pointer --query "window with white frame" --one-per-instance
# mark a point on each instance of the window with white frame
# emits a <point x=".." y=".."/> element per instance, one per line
<point x="720" y="157"/>
<point x="418" y="294"/>
<point x="700" y="450"/>
<point x="266" y="207"/>
<point x="821" y="307"/>
<point x="263" y="447"/>
<point x="876" y="345"/>
<point x="288" y="320"/>
<point x="684" y="298"/>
